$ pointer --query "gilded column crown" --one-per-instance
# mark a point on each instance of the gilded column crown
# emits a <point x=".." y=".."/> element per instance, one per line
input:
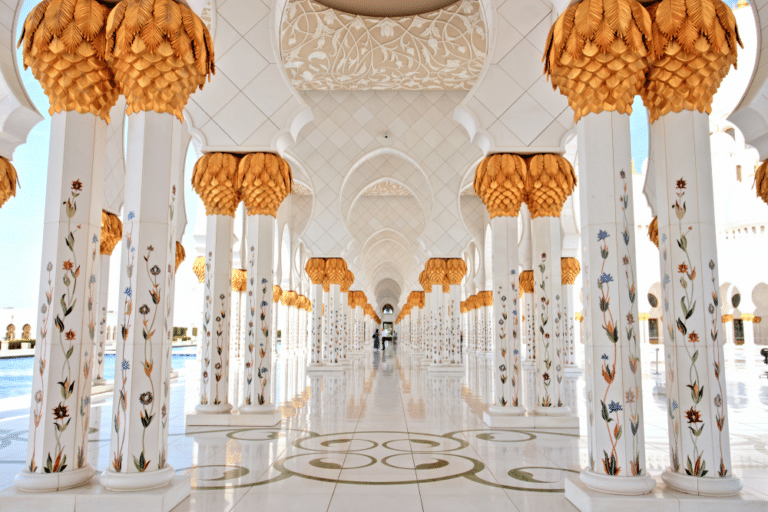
<point x="569" y="270"/>
<point x="485" y="298"/>
<point x="111" y="232"/>
<point x="351" y="300"/>
<point x="551" y="179"/>
<point x="463" y="307"/>
<point x="315" y="269"/>
<point x="347" y="281"/>
<point x="64" y="44"/>
<point x="653" y="231"/>
<point x="277" y="292"/>
<point x="265" y="180"/>
<point x="761" y="182"/>
<point x="597" y="55"/>
<point x="694" y="45"/>
<point x="526" y="281"/>
<point x="335" y="270"/>
<point x="160" y="52"/>
<point x="288" y="298"/>
<point x="181" y="255"/>
<point x="239" y="280"/>
<point x="500" y="183"/>
<point x="8" y="180"/>
<point x="455" y="270"/>
<point x="198" y="267"/>
<point x="215" y="181"/>
<point x="435" y="270"/>
<point x="424" y="281"/>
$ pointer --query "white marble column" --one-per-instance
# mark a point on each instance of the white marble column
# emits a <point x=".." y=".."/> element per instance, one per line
<point x="615" y="427"/>
<point x="548" y="313"/>
<point x="217" y="295"/>
<point x="700" y="453"/>
<point x="504" y="328"/>
<point x="258" y="397"/>
<point x="437" y="324"/>
<point x="316" y="322"/>
<point x="101" y="336"/>
<point x="57" y="446"/>
<point x="139" y="444"/>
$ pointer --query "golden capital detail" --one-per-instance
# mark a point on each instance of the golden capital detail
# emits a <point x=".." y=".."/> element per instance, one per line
<point x="198" y="267"/>
<point x="596" y="53"/>
<point x="64" y="43"/>
<point x="435" y="271"/>
<point x="500" y="182"/>
<point x="181" y="255"/>
<point x="727" y="318"/>
<point x="550" y="180"/>
<point x="160" y="52"/>
<point x="569" y="270"/>
<point x="111" y="232"/>
<point x="315" y="269"/>
<point x="347" y="281"/>
<point x="653" y="231"/>
<point x="265" y="180"/>
<point x="424" y="281"/>
<point x="485" y="298"/>
<point x="761" y="182"/>
<point x="455" y="270"/>
<point x="239" y="280"/>
<point x="277" y="292"/>
<point x="8" y="180"/>
<point x="526" y="281"/>
<point x="335" y="270"/>
<point x="694" y="45"/>
<point x="747" y="317"/>
<point x="644" y="317"/>
<point x="288" y="298"/>
<point x="216" y="182"/>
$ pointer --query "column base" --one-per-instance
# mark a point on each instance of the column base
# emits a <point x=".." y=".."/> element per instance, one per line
<point x="325" y="368"/>
<point x="266" y="418"/>
<point x="528" y="420"/>
<point x="99" y="382"/>
<point x="95" y="498"/>
<point x="213" y="409"/>
<point x="551" y="411"/>
<point x="661" y="499"/>
<point x="47" y="482"/>
<point x="132" y="482"/>
<point x="622" y="485"/>
<point x="446" y="368"/>
<point x="702" y="486"/>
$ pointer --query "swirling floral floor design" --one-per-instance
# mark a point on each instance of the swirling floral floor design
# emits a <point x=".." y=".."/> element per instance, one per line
<point x="382" y="458"/>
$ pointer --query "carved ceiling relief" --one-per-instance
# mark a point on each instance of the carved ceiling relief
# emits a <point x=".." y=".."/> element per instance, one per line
<point x="325" y="49"/>
<point x="386" y="188"/>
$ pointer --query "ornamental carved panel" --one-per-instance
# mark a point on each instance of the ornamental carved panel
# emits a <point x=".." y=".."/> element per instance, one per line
<point x="326" y="49"/>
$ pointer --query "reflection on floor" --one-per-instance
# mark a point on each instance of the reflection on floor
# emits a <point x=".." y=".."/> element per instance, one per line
<point x="386" y="435"/>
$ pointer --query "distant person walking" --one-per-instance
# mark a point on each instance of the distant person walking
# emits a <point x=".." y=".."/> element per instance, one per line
<point x="376" y="337"/>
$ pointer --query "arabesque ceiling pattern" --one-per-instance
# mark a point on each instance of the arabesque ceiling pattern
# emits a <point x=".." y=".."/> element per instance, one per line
<point x="326" y="49"/>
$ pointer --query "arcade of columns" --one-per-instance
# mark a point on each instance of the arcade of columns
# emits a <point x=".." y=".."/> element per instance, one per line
<point x="599" y="54"/>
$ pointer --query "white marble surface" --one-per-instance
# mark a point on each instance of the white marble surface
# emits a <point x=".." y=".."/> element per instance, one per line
<point x="432" y="450"/>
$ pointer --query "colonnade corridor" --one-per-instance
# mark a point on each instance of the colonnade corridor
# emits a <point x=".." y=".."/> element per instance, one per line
<point x="383" y="434"/>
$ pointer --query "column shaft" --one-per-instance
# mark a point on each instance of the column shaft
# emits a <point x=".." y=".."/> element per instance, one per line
<point x="142" y="375"/>
<point x="548" y="311"/>
<point x="616" y="440"/>
<point x="696" y="387"/>
<point x="216" y="315"/>
<point x="259" y="338"/>
<point x="57" y="446"/>
<point x="98" y="349"/>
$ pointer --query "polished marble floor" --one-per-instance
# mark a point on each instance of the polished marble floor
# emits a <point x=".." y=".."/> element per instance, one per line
<point x="387" y="435"/>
